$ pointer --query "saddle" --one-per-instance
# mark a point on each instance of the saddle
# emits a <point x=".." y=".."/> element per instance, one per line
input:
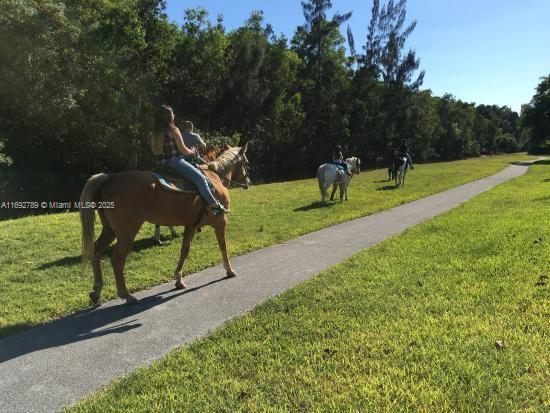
<point x="174" y="182"/>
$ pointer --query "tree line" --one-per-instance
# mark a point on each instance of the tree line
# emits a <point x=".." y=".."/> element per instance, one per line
<point x="81" y="80"/>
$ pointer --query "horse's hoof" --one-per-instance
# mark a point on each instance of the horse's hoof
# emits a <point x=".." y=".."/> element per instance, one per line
<point x="94" y="297"/>
<point x="180" y="285"/>
<point x="231" y="274"/>
<point x="130" y="300"/>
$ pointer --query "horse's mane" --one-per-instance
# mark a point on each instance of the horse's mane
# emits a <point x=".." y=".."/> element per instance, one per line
<point x="225" y="160"/>
<point x="212" y="154"/>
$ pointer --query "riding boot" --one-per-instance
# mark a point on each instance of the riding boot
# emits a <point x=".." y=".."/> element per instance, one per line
<point x="217" y="209"/>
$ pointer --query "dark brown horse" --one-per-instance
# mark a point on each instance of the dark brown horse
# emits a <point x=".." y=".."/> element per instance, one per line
<point x="126" y="200"/>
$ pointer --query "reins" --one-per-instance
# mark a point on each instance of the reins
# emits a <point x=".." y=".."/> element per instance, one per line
<point x="230" y="181"/>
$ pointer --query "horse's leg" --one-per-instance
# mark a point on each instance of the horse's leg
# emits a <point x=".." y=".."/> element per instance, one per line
<point x="334" y="188"/>
<point x="125" y="239"/>
<point x="342" y="190"/>
<point x="173" y="232"/>
<point x="220" y="235"/>
<point x="188" y="235"/>
<point x="346" y="190"/>
<point x="156" y="235"/>
<point x="104" y="240"/>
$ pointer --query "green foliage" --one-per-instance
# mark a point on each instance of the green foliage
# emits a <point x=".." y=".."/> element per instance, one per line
<point x="79" y="90"/>
<point x="536" y="117"/>
<point x="507" y="143"/>
<point x="324" y="82"/>
<point x="410" y="325"/>
<point x="5" y="160"/>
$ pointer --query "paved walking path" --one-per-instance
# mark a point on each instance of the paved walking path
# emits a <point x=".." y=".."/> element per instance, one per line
<point x="51" y="366"/>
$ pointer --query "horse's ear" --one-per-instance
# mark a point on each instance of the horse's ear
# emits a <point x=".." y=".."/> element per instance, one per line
<point x="244" y="148"/>
<point x="226" y="147"/>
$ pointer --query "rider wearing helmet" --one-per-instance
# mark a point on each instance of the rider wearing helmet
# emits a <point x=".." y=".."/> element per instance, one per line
<point x="338" y="159"/>
<point x="404" y="151"/>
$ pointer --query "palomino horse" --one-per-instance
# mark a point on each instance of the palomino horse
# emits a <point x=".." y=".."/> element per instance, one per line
<point x="330" y="174"/>
<point x="400" y="167"/>
<point x="135" y="197"/>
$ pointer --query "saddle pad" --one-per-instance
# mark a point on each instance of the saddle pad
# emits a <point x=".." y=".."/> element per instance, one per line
<point x="175" y="185"/>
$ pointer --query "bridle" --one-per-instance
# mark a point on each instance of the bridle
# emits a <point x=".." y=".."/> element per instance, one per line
<point x="228" y="182"/>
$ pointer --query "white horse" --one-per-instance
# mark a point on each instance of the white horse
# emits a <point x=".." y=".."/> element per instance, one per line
<point x="330" y="174"/>
<point x="400" y="167"/>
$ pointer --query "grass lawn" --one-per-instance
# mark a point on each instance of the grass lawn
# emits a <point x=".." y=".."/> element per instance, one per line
<point x="41" y="276"/>
<point x="410" y="325"/>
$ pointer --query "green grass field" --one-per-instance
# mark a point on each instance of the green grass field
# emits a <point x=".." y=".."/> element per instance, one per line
<point x="410" y="325"/>
<point x="41" y="277"/>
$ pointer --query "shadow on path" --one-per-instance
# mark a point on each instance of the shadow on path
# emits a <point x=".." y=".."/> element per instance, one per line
<point x="529" y="163"/>
<point x="86" y="324"/>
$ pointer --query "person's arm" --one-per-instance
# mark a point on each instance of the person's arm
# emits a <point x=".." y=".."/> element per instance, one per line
<point x="176" y="135"/>
<point x="201" y="142"/>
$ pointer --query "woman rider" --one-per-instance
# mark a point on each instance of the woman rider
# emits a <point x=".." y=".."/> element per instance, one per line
<point x="168" y="147"/>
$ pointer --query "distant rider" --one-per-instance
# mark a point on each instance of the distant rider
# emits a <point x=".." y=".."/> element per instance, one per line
<point x="404" y="151"/>
<point x="338" y="159"/>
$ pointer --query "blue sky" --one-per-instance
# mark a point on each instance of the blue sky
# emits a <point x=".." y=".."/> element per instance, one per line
<point x="484" y="51"/>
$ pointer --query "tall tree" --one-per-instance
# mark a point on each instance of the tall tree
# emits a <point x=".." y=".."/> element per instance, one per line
<point x="324" y="80"/>
<point x="536" y="116"/>
<point x="383" y="60"/>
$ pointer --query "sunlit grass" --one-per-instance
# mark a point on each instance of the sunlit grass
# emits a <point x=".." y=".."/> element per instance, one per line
<point x="41" y="276"/>
<point x="410" y="325"/>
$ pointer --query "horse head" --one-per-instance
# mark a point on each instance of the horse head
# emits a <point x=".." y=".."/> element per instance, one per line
<point x="232" y="166"/>
<point x="355" y="165"/>
<point x="241" y="169"/>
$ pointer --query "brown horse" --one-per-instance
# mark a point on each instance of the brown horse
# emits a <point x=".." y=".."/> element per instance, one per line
<point x="126" y="200"/>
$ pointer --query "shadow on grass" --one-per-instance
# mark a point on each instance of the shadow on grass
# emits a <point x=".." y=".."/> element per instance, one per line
<point x="387" y="188"/>
<point x="314" y="205"/>
<point x="529" y="163"/>
<point x="381" y="181"/>
<point x="83" y="325"/>
<point x="139" y="245"/>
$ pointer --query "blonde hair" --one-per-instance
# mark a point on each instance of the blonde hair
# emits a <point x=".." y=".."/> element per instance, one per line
<point x="163" y="124"/>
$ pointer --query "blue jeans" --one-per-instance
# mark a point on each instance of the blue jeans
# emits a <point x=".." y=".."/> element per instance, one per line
<point x="408" y="157"/>
<point x="189" y="172"/>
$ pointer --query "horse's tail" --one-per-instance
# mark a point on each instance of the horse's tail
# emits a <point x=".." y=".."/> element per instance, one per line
<point x="87" y="214"/>
<point x="321" y="178"/>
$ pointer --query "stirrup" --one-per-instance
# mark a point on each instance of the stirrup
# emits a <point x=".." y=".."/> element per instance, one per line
<point x="219" y="209"/>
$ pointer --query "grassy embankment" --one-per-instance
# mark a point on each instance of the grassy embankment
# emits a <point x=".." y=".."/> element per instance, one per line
<point x="451" y="316"/>
<point x="41" y="277"/>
